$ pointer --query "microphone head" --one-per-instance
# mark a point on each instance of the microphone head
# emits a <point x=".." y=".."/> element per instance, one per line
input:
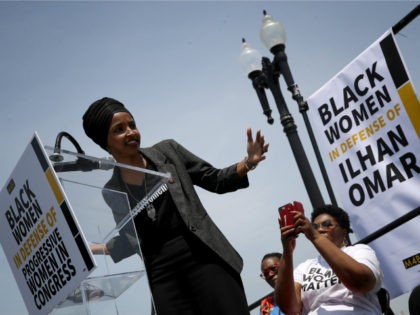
<point x="56" y="157"/>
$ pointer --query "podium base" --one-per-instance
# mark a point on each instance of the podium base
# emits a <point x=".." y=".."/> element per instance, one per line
<point x="98" y="289"/>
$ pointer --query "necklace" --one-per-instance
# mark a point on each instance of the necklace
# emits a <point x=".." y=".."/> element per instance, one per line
<point x="150" y="209"/>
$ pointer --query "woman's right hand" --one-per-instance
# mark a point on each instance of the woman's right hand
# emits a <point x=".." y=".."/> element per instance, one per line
<point x="98" y="249"/>
<point x="303" y="225"/>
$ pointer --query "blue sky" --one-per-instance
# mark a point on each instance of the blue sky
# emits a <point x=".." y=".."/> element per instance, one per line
<point x="175" y="66"/>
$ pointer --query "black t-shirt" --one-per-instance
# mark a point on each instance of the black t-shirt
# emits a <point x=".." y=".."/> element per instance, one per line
<point x="166" y="224"/>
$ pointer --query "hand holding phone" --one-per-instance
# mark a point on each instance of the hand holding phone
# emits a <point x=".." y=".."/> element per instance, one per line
<point x="287" y="217"/>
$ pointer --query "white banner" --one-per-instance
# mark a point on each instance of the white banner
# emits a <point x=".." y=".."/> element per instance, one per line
<point x="367" y="119"/>
<point x="45" y="248"/>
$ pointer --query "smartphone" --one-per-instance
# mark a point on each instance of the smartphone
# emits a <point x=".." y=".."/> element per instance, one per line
<point x="286" y="214"/>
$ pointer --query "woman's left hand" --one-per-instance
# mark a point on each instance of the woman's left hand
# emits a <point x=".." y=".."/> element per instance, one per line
<point x="304" y="225"/>
<point x="255" y="148"/>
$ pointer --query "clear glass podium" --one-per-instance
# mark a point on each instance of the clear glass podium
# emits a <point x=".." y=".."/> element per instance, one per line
<point x="103" y="213"/>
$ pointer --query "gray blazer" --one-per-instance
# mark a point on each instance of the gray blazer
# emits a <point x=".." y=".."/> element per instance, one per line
<point x="187" y="170"/>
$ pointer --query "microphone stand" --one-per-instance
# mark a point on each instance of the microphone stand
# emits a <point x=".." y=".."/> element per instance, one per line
<point x="56" y="156"/>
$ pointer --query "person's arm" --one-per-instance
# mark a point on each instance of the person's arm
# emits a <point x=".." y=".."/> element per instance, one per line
<point x="356" y="276"/>
<point x="206" y="176"/>
<point x="255" y="153"/>
<point x="287" y="292"/>
<point x="125" y="243"/>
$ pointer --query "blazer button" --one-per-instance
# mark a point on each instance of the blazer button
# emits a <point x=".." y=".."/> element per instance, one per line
<point x="192" y="228"/>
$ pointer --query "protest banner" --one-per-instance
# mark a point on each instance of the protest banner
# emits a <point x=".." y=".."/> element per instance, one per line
<point x="40" y="236"/>
<point x="368" y="121"/>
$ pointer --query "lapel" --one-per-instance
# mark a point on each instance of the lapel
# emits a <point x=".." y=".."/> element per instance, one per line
<point x="178" y="194"/>
<point x="160" y="160"/>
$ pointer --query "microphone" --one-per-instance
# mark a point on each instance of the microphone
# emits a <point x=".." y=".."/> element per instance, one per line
<point x="81" y="164"/>
<point x="84" y="165"/>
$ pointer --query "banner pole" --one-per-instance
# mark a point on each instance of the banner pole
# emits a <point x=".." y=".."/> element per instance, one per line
<point x="406" y="20"/>
<point x="389" y="227"/>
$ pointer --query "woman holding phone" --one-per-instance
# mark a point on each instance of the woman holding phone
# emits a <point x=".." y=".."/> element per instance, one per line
<point x="343" y="279"/>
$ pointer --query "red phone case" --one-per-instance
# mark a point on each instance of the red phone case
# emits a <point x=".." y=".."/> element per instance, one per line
<point x="297" y="206"/>
<point x="286" y="214"/>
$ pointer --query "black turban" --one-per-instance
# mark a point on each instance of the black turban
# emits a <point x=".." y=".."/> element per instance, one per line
<point x="98" y="117"/>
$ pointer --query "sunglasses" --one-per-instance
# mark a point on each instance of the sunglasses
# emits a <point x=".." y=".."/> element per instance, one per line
<point x="325" y="224"/>
<point x="267" y="271"/>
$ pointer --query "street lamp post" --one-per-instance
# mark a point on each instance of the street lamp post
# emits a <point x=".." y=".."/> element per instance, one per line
<point x="271" y="30"/>
<point x="265" y="74"/>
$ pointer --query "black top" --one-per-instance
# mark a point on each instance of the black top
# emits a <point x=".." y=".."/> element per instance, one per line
<point x="167" y="223"/>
